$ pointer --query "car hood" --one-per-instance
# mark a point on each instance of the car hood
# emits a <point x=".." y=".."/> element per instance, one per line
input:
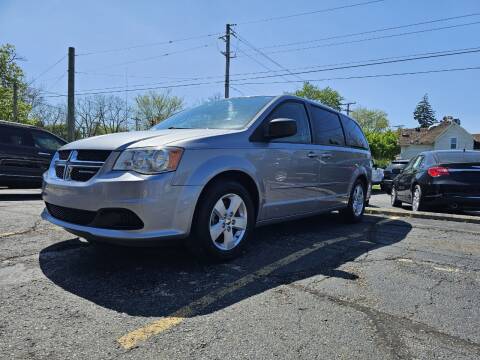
<point x="134" y="139"/>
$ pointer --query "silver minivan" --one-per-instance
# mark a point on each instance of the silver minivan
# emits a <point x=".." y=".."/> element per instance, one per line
<point x="210" y="174"/>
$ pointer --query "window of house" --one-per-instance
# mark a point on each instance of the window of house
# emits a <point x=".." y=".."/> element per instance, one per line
<point x="453" y="143"/>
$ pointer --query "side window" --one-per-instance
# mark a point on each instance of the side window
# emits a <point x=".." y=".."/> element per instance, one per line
<point x="14" y="136"/>
<point x="46" y="141"/>
<point x="354" y="134"/>
<point x="295" y="111"/>
<point x="327" y="129"/>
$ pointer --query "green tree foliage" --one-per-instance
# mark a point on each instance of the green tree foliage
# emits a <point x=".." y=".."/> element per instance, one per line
<point x="383" y="145"/>
<point x="326" y="96"/>
<point x="371" y="120"/>
<point x="10" y="73"/>
<point x="152" y="107"/>
<point x="424" y="113"/>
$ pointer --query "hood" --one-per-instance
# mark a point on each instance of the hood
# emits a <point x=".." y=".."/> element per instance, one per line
<point x="120" y="141"/>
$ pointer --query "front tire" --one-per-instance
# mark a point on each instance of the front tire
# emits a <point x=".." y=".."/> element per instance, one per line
<point x="223" y="221"/>
<point x="353" y="213"/>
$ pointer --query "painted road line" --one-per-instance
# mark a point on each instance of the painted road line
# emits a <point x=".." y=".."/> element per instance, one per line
<point x="132" y="339"/>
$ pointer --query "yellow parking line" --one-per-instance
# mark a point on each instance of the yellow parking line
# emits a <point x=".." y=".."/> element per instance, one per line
<point x="133" y="338"/>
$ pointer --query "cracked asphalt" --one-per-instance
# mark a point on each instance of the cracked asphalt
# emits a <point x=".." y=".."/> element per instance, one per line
<point x="388" y="288"/>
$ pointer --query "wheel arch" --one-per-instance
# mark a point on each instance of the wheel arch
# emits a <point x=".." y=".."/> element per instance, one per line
<point x="239" y="176"/>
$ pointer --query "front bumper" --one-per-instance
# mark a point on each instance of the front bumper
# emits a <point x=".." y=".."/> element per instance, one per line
<point x="165" y="210"/>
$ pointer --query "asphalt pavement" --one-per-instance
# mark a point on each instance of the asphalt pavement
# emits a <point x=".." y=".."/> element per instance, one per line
<point x="388" y="288"/>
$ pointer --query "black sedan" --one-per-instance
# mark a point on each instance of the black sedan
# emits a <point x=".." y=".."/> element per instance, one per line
<point x="448" y="179"/>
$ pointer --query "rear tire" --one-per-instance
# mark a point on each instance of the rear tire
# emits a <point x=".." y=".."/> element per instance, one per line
<point x="353" y="213"/>
<point x="394" y="198"/>
<point x="223" y="222"/>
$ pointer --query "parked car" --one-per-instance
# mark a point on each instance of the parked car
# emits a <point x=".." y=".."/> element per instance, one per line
<point x="392" y="170"/>
<point x="25" y="154"/>
<point x="211" y="174"/>
<point x="448" y="179"/>
<point x="377" y="174"/>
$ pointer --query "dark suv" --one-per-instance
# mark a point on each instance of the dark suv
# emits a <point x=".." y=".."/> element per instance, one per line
<point x="392" y="170"/>
<point x="25" y="154"/>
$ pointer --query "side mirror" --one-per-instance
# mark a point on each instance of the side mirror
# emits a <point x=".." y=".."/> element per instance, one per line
<point x="279" y="128"/>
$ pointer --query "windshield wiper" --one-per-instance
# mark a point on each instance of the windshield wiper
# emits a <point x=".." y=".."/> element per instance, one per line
<point x="174" y="127"/>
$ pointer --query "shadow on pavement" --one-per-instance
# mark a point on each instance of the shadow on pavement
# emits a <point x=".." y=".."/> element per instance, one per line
<point x="157" y="282"/>
<point x="20" y="197"/>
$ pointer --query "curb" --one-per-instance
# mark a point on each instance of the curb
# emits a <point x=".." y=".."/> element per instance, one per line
<point x="423" y="215"/>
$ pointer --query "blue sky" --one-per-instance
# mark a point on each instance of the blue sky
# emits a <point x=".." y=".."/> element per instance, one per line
<point x="42" y="31"/>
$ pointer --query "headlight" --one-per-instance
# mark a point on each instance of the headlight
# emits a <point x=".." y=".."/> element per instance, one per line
<point x="149" y="160"/>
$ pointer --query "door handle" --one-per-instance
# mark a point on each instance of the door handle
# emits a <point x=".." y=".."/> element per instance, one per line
<point x="326" y="155"/>
<point x="44" y="153"/>
<point x="311" y="154"/>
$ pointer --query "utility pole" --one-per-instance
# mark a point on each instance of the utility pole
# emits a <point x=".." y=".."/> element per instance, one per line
<point x="15" y="101"/>
<point x="71" y="95"/>
<point x="348" y="106"/>
<point x="228" y="56"/>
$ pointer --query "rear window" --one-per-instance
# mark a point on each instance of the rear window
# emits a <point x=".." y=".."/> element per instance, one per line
<point x="354" y="134"/>
<point x="458" y="157"/>
<point x="327" y="128"/>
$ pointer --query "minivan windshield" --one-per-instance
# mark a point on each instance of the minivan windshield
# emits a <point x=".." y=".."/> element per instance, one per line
<point x="234" y="113"/>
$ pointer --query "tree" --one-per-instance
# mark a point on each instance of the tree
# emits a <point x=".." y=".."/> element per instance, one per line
<point x="152" y="108"/>
<point x="326" y="96"/>
<point x="101" y="114"/>
<point x="424" y="113"/>
<point x="383" y="145"/>
<point x="11" y="73"/>
<point x="371" y="120"/>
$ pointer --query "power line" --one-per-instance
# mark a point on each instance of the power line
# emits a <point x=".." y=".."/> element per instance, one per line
<point x="371" y="31"/>
<point x="366" y="76"/>
<point x="310" y="12"/>
<point x="368" y="64"/>
<point x="47" y="69"/>
<point x="374" y="62"/>
<point x="166" y="42"/>
<point x="374" y="38"/>
<point x="263" y="54"/>
<point x="157" y="56"/>
<point x="278" y="82"/>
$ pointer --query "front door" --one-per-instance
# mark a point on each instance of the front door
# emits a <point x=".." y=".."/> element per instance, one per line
<point x="290" y="166"/>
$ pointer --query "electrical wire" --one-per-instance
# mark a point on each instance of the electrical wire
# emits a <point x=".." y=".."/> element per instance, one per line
<point x="47" y="70"/>
<point x="275" y="18"/>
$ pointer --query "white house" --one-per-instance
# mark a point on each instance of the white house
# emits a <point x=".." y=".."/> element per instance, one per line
<point x="446" y="135"/>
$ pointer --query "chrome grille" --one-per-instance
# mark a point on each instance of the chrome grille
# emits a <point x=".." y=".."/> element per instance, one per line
<point x="79" y="165"/>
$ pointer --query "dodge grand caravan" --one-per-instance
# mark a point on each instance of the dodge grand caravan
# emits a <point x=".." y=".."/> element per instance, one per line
<point x="210" y="174"/>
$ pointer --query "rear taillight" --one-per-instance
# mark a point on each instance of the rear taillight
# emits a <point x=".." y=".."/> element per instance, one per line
<point x="437" y="171"/>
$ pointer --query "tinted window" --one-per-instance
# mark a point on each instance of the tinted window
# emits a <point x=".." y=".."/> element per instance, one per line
<point x="295" y="111"/>
<point x="14" y="136"/>
<point x="354" y="134"/>
<point x="233" y="113"/>
<point x="46" y="141"/>
<point x="326" y="127"/>
<point x="458" y="157"/>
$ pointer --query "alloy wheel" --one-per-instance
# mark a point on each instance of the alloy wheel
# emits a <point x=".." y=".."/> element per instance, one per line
<point x="228" y="222"/>
<point x="358" y="202"/>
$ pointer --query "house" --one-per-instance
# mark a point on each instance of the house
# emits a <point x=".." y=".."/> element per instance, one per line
<point x="445" y="135"/>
